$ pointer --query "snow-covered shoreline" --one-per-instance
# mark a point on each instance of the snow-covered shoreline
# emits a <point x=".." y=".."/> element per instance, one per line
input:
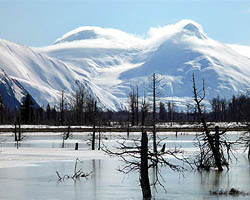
<point x="45" y="147"/>
<point x="12" y="157"/>
<point x="159" y="125"/>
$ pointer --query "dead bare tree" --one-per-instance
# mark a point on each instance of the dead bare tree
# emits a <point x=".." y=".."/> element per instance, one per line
<point x="94" y="127"/>
<point x="138" y="157"/>
<point x="78" y="102"/>
<point x="145" y="106"/>
<point x="133" y="107"/>
<point x="154" y="113"/>
<point x="137" y="105"/>
<point x="244" y="140"/>
<point x="211" y="145"/>
<point x="18" y="134"/>
<point x="144" y="177"/>
<point x="155" y="89"/>
<point x="66" y="135"/>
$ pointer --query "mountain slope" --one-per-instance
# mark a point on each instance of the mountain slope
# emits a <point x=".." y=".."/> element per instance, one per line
<point x="44" y="77"/>
<point x="12" y="92"/>
<point x="117" y="61"/>
<point x="241" y="49"/>
<point x="109" y="62"/>
<point x="225" y="71"/>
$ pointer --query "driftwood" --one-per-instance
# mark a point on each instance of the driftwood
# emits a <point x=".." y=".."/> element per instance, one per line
<point x="76" y="175"/>
<point x="231" y="192"/>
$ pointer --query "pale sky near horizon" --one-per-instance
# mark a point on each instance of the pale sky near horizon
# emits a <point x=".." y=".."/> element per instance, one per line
<point x="41" y="22"/>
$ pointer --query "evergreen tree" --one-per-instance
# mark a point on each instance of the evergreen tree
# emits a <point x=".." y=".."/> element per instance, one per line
<point x="1" y="109"/>
<point x="27" y="109"/>
<point x="79" y="101"/>
<point x="132" y="106"/>
<point x="54" y="115"/>
<point x="48" y="113"/>
<point x="62" y="109"/>
<point x="162" y="113"/>
<point x="145" y="105"/>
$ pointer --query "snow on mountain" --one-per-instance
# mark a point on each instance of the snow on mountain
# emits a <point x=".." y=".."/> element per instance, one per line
<point x="12" y="92"/>
<point x="241" y="49"/>
<point x="225" y="71"/>
<point x="44" y="77"/>
<point x="109" y="62"/>
<point x="117" y="61"/>
<point x="96" y="33"/>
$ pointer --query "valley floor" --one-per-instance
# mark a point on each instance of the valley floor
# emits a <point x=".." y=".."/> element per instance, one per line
<point x="31" y="169"/>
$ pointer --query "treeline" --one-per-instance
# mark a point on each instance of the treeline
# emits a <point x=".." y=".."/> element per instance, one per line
<point x="82" y="109"/>
<point x="235" y="109"/>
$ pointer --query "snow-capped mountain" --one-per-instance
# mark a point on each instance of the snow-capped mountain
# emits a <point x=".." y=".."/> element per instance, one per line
<point x="45" y="77"/>
<point x="109" y="62"/>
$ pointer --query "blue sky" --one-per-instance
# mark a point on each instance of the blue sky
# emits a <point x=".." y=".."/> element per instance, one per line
<point x="41" y="22"/>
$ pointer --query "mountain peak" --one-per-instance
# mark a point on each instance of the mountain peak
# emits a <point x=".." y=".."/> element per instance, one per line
<point x="92" y="33"/>
<point x="81" y="33"/>
<point x="110" y="61"/>
<point x="193" y="29"/>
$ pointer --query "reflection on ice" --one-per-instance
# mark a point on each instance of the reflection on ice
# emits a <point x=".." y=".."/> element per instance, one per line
<point x="40" y="156"/>
<point x="40" y="182"/>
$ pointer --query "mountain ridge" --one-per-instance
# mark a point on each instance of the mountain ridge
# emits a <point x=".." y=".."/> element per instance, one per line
<point x="109" y="62"/>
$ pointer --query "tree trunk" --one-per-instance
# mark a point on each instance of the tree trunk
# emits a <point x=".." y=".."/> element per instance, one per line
<point x="76" y="146"/>
<point x="94" y="121"/>
<point x="93" y="138"/>
<point x="62" y="109"/>
<point x="144" y="179"/>
<point x="15" y="132"/>
<point x="137" y="106"/>
<point x="128" y="126"/>
<point x="216" y="150"/>
<point x="142" y="118"/>
<point x="63" y="142"/>
<point x="19" y="131"/>
<point x="154" y="115"/>
<point x="133" y="116"/>
<point x="99" y="137"/>
<point x="212" y="145"/>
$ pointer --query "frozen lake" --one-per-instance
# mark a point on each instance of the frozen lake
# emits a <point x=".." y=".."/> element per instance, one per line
<point x="30" y="172"/>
